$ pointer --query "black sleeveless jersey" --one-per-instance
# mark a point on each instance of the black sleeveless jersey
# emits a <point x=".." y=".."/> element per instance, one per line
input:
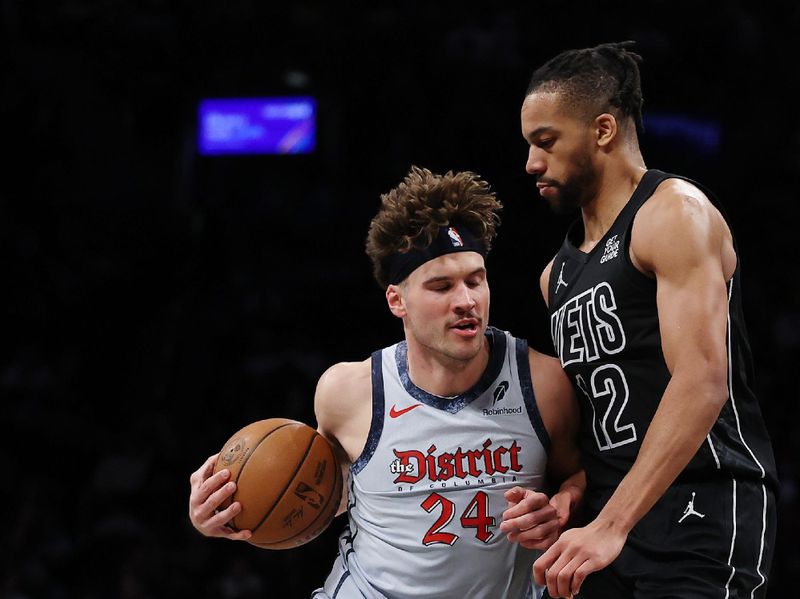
<point x="604" y="324"/>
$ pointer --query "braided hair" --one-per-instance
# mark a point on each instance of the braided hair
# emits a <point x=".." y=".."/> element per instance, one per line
<point x="595" y="80"/>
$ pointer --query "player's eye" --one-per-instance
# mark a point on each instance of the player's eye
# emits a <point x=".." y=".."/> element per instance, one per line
<point x="546" y="143"/>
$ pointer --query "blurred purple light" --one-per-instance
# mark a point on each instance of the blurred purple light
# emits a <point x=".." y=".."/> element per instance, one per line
<point x="285" y="125"/>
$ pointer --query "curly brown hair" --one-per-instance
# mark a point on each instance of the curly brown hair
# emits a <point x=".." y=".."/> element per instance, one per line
<point x="411" y="214"/>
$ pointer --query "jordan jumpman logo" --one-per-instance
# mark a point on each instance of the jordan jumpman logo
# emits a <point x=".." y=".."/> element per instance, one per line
<point x="561" y="280"/>
<point x="690" y="511"/>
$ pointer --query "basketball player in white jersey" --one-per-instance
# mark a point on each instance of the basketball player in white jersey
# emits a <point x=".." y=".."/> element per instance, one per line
<point x="441" y="433"/>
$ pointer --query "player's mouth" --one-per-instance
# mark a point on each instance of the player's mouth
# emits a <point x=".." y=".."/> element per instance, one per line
<point x="466" y="327"/>
<point x="545" y="189"/>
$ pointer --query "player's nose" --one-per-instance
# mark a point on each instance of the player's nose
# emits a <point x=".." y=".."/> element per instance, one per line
<point x="535" y="164"/>
<point x="464" y="299"/>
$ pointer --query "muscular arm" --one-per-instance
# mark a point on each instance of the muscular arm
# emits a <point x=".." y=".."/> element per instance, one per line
<point x="558" y="408"/>
<point x="686" y="244"/>
<point x="343" y="408"/>
<point x="681" y="240"/>
<point x="533" y="519"/>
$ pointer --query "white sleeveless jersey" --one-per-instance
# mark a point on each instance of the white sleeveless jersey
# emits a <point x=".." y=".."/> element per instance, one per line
<point x="426" y="495"/>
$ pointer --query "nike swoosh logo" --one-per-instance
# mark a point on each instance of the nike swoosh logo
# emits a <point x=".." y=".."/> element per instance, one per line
<point x="396" y="413"/>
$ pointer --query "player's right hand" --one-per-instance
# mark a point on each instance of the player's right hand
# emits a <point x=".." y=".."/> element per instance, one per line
<point x="208" y="492"/>
<point x="530" y="519"/>
<point x="576" y="554"/>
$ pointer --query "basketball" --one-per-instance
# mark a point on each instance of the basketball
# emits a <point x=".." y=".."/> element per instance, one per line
<point x="287" y="479"/>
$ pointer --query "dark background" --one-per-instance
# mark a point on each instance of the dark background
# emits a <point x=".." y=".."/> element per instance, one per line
<point x="155" y="301"/>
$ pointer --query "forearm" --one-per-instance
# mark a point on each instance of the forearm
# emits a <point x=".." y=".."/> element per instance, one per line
<point x="688" y="409"/>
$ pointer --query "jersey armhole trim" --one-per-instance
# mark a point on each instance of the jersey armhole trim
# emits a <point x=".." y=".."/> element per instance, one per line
<point x="526" y="386"/>
<point x="633" y="274"/>
<point x="376" y="426"/>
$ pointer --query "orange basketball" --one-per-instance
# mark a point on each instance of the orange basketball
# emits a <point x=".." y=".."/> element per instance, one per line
<point x="287" y="480"/>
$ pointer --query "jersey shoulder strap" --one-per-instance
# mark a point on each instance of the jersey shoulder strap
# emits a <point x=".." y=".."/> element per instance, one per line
<point x="643" y="192"/>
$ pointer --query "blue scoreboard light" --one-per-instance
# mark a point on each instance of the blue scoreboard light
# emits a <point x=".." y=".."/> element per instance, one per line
<point x="702" y="136"/>
<point x="283" y="125"/>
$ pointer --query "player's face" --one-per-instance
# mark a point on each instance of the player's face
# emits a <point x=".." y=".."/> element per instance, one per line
<point x="445" y="305"/>
<point x="559" y="152"/>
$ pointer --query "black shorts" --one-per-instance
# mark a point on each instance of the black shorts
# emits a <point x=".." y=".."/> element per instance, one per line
<point x="701" y="540"/>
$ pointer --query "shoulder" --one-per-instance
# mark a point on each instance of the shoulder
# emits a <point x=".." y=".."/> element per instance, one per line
<point x="344" y="375"/>
<point x="544" y="280"/>
<point x="341" y="391"/>
<point x="678" y="222"/>
<point x="677" y="197"/>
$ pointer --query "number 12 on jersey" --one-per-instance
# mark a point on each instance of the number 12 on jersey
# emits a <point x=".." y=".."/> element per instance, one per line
<point x="607" y="393"/>
<point x="476" y="515"/>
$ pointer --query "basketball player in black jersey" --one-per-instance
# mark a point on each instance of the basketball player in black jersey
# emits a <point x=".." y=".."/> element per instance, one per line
<point x="645" y="305"/>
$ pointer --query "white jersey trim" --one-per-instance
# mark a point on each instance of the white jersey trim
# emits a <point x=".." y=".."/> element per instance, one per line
<point x="730" y="386"/>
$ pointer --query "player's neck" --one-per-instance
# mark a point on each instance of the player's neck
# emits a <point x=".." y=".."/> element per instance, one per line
<point x="617" y="184"/>
<point x="441" y="375"/>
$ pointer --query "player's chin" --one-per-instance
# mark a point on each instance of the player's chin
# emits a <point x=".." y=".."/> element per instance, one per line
<point x="464" y="355"/>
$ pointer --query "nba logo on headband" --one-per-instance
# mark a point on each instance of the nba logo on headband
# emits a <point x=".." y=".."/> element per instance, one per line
<point x="455" y="238"/>
<point x="447" y="241"/>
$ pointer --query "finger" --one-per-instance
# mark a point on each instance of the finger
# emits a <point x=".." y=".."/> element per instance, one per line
<point x="220" y="525"/>
<point x="239" y="535"/>
<point x="514" y="495"/>
<point x="530" y="520"/>
<point x="202" y="513"/>
<point x="210" y="486"/>
<point x="553" y="572"/>
<point x="533" y="501"/>
<point x="221" y="520"/>
<point x="580" y="575"/>
<point x="540" y="545"/>
<point x="204" y="471"/>
<point x="218" y="497"/>
<point x="564" y="578"/>
<point x="536" y="534"/>
<point x="541" y="565"/>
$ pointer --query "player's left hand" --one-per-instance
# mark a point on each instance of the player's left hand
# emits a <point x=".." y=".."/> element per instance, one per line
<point x="530" y="519"/>
<point x="575" y="555"/>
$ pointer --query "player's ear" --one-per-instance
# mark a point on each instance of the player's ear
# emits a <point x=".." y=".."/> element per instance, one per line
<point x="605" y="128"/>
<point x="394" y="297"/>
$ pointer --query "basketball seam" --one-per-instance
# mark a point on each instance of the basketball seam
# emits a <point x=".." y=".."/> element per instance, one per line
<point x="288" y="484"/>
<point x="274" y="544"/>
<point x="337" y="483"/>
<point x="260" y="441"/>
<point x="247" y="459"/>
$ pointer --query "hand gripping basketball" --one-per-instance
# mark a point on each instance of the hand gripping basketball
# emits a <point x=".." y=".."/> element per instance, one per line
<point x="287" y="481"/>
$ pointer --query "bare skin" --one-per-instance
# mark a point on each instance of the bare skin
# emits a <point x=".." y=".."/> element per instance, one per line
<point x="444" y="306"/>
<point x="208" y="491"/>
<point x="680" y="239"/>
